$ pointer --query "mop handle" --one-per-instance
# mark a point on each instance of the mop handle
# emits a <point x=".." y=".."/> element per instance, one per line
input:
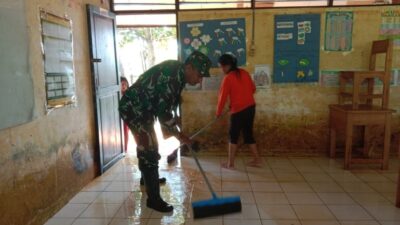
<point x="202" y="129"/>
<point x="195" y="155"/>
<point x="202" y="172"/>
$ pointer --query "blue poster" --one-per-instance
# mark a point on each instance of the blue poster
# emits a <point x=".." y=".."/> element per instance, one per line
<point x="296" y="48"/>
<point x="214" y="38"/>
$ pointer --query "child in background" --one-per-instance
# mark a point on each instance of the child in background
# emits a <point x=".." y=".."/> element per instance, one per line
<point x="124" y="87"/>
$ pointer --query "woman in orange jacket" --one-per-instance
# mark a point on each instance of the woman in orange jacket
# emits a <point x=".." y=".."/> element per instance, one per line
<point x="238" y="86"/>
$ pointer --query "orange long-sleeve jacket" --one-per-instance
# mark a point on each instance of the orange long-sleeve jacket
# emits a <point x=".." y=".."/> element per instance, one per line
<point x="240" y="90"/>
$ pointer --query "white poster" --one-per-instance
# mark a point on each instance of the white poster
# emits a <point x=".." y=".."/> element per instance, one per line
<point x="212" y="83"/>
<point x="262" y="76"/>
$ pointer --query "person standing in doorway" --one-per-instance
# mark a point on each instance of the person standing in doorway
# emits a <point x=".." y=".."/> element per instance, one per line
<point x="156" y="95"/>
<point x="238" y="86"/>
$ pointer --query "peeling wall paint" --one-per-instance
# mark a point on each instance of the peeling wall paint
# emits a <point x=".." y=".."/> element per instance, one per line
<point x="291" y="119"/>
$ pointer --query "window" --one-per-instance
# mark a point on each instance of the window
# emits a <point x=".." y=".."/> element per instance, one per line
<point x="360" y="2"/>
<point x="135" y="5"/>
<point x="146" y="20"/>
<point x="170" y="5"/>
<point x="289" y="3"/>
<point x="213" y="4"/>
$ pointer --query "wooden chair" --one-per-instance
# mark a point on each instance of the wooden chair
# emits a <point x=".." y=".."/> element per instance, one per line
<point x="356" y="78"/>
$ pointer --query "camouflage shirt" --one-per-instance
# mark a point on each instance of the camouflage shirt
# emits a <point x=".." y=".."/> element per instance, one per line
<point x="156" y="94"/>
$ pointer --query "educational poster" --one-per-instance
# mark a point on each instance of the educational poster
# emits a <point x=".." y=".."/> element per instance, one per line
<point x="338" y="31"/>
<point x="196" y="87"/>
<point x="329" y="78"/>
<point x="212" y="83"/>
<point x="395" y="77"/>
<point x="390" y="24"/>
<point x="214" y="38"/>
<point x="296" y="48"/>
<point x="262" y="76"/>
<point x="58" y="60"/>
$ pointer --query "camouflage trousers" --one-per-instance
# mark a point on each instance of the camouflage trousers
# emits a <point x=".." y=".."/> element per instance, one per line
<point x="147" y="146"/>
<point x="141" y="124"/>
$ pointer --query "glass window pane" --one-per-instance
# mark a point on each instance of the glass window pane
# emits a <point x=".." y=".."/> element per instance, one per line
<point x="146" y="20"/>
<point x="214" y="4"/>
<point x="358" y="2"/>
<point x="289" y="3"/>
<point x="125" y="5"/>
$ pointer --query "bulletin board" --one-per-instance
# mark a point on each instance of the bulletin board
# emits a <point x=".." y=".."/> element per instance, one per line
<point x="58" y="60"/>
<point x="214" y="38"/>
<point x="296" y="48"/>
<point x="16" y="85"/>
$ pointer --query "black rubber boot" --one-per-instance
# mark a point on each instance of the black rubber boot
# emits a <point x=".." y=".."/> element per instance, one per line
<point x="154" y="200"/>
<point x="172" y="157"/>
<point x="162" y="180"/>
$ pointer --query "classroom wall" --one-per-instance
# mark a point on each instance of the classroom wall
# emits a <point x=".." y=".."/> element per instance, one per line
<point x="291" y="119"/>
<point x="45" y="162"/>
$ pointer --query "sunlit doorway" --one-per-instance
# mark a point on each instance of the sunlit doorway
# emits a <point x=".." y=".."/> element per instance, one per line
<point x="144" y="41"/>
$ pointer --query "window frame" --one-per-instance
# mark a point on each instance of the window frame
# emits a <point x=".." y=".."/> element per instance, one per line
<point x="177" y="8"/>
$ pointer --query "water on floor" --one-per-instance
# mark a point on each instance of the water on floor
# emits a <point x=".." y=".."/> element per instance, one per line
<point x="285" y="191"/>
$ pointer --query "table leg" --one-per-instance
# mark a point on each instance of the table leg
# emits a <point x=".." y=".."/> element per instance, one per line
<point x="386" y="143"/>
<point x="366" y="141"/>
<point x="398" y="192"/>
<point x="348" y="145"/>
<point x="332" y="143"/>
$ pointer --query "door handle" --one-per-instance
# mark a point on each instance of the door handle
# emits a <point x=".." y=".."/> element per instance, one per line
<point x="96" y="60"/>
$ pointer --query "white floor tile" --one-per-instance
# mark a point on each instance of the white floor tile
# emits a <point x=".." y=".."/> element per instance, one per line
<point x="266" y="186"/>
<point x="84" y="197"/>
<point x="360" y="222"/>
<point x="284" y="191"/>
<point x="242" y="222"/>
<point x="100" y="211"/>
<point x="279" y="212"/>
<point x="313" y="212"/>
<point x="92" y="221"/>
<point x="130" y="221"/>
<point x="319" y="222"/>
<point x="71" y="210"/>
<point x="349" y="212"/>
<point x="281" y="222"/>
<point x="336" y="198"/>
<point x="60" y="221"/>
<point x="249" y="211"/>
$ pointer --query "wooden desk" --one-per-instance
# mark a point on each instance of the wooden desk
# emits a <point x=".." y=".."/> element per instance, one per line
<point x="398" y="192"/>
<point x="344" y="118"/>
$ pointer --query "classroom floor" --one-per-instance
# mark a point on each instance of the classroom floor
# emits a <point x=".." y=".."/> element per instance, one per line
<point x="285" y="191"/>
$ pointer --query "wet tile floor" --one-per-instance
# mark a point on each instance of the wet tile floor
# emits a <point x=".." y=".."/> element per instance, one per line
<point x="285" y="191"/>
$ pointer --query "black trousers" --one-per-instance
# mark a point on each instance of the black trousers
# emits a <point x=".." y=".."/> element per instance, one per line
<point x="242" y="122"/>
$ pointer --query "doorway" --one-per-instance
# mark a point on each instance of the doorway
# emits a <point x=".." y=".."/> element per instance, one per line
<point x="142" y="42"/>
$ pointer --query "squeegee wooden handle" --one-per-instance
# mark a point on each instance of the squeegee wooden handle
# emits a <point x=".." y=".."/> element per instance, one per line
<point x="202" y="129"/>
<point x="194" y="154"/>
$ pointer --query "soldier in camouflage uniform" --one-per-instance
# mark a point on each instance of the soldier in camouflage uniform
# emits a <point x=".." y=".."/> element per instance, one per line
<point x="156" y="95"/>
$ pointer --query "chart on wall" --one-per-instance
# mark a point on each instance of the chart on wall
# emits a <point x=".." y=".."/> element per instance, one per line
<point x="214" y="38"/>
<point x="338" y="31"/>
<point x="390" y="24"/>
<point x="296" y="48"/>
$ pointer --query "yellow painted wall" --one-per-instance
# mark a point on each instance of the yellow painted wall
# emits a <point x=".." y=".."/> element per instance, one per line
<point x="290" y="118"/>
<point x="45" y="162"/>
